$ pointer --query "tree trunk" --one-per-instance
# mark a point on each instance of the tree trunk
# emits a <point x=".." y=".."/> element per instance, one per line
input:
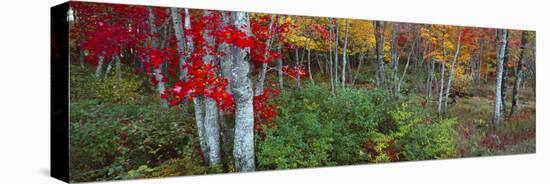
<point x="309" y="66"/>
<point x="431" y="77"/>
<point x="243" y="150"/>
<point x="198" y="103"/>
<point x="155" y="44"/>
<point x="117" y="66"/>
<point x="480" y="60"/>
<point x="180" y="41"/>
<point x="501" y="51"/>
<point x="226" y="120"/>
<point x="395" y="56"/>
<point x="336" y="42"/>
<point x="504" y="78"/>
<point x="344" y="59"/>
<point x="406" y="65"/>
<point x="261" y="77"/>
<point x="442" y="84"/>
<point x="452" y="70"/>
<point x="298" y="77"/>
<point x="211" y="126"/>
<point x="319" y="63"/>
<point x="99" y="67"/>
<point x="331" y="65"/>
<point x="379" y="36"/>
<point x="358" y="70"/>
<point x="280" y="66"/>
<point x="519" y="73"/>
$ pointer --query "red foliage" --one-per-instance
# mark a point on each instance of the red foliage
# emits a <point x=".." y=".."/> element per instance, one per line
<point x="296" y="71"/>
<point x="106" y="29"/>
<point x="320" y="30"/>
<point x="264" y="112"/>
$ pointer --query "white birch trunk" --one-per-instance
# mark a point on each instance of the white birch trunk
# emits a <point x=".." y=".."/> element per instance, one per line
<point x="344" y="59"/>
<point x="180" y="41"/>
<point x="442" y="84"/>
<point x="406" y="65"/>
<point x="452" y="69"/>
<point x="243" y="150"/>
<point x="155" y="44"/>
<point x="99" y="66"/>
<point x="280" y="67"/>
<point x="211" y="126"/>
<point x="502" y="35"/>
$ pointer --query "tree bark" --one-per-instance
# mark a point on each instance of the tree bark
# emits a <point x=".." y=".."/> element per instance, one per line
<point x="480" y="60"/>
<point x="180" y="41"/>
<point x="331" y="65"/>
<point x="309" y="66"/>
<point x="243" y="150"/>
<point x="395" y="56"/>
<point x="413" y="45"/>
<point x="336" y="42"/>
<point x="379" y="36"/>
<point x="155" y="44"/>
<point x="99" y="67"/>
<point x="280" y="66"/>
<point x="117" y="66"/>
<point x="344" y="59"/>
<point x="519" y="73"/>
<point x="298" y="77"/>
<point x="261" y="77"/>
<point x="442" y="84"/>
<point x="502" y="35"/>
<point x="504" y="77"/>
<point x="452" y="69"/>
<point x="211" y="126"/>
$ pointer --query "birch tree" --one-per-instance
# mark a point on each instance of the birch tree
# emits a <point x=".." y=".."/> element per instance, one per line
<point x="180" y="40"/>
<point x="442" y="73"/>
<point x="261" y="77"/>
<point x="502" y="35"/>
<point x="452" y="69"/>
<point x="155" y="44"/>
<point x="344" y="59"/>
<point x="243" y="150"/>
<point x="413" y="45"/>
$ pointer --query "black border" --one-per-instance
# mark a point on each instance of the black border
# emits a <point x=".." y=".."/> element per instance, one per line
<point x="59" y="92"/>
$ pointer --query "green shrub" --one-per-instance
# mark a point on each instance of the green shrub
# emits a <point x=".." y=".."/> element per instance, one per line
<point x="112" y="89"/>
<point x="81" y="82"/>
<point x="314" y="128"/>
<point x="108" y="140"/>
<point x="300" y="138"/>
<point x="109" y="88"/>
<point x="184" y="166"/>
<point x="429" y="141"/>
<point x="356" y="115"/>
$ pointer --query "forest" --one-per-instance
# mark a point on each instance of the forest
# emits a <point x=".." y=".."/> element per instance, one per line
<point x="159" y="91"/>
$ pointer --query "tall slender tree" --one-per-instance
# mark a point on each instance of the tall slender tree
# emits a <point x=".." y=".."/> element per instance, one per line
<point x="519" y="72"/>
<point x="502" y="35"/>
<point x="379" y="35"/>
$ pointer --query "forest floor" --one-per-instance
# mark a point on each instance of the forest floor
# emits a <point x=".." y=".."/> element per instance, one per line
<point x="516" y="135"/>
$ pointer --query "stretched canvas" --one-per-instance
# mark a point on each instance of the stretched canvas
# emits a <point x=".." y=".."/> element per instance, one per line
<point x="147" y="92"/>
